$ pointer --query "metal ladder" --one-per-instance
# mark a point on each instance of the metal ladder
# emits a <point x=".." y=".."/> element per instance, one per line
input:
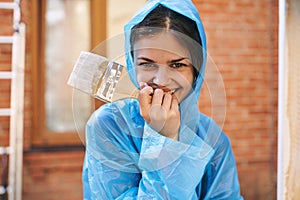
<point x="14" y="152"/>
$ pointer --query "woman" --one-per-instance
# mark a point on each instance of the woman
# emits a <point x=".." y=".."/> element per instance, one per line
<point x="159" y="146"/>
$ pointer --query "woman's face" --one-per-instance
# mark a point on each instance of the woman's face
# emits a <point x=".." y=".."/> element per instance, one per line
<point x="162" y="60"/>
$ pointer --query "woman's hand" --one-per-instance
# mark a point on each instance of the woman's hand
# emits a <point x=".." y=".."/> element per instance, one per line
<point x="160" y="110"/>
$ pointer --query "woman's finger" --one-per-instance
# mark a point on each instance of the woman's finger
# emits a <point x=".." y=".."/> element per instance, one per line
<point x="145" y="94"/>
<point x="174" y="103"/>
<point x="167" y="101"/>
<point x="142" y="85"/>
<point x="145" y="99"/>
<point x="157" y="97"/>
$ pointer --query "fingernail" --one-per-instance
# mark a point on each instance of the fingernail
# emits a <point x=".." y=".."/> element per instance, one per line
<point x="142" y="84"/>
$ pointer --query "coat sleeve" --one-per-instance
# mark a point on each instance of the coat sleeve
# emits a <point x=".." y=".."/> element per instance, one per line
<point x="109" y="169"/>
<point x="172" y="169"/>
<point x="220" y="180"/>
<point x="101" y="182"/>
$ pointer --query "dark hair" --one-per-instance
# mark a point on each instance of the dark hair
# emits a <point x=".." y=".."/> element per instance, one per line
<point x="162" y="18"/>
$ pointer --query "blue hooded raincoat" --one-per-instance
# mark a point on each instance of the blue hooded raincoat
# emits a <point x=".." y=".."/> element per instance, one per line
<point x="126" y="159"/>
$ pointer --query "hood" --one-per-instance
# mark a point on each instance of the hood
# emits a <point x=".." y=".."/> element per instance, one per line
<point x="185" y="7"/>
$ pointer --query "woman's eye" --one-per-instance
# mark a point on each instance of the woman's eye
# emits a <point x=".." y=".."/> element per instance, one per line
<point x="177" y="65"/>
<point x="147" y="65"/>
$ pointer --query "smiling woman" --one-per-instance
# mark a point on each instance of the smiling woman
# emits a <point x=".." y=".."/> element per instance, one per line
<point x="159" y="146"/>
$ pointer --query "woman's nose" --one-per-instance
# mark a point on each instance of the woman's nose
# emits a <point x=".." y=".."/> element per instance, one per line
<point x="162" y="76"/>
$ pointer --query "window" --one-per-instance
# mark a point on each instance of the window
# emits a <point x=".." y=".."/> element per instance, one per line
<point x="62" y="29"/>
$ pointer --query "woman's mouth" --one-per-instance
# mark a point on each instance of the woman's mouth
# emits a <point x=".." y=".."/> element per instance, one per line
<point x="164" y="88"/>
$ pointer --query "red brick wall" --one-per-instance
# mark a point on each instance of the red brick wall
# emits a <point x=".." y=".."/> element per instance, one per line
<point x="242" y="41"/>
<point x="52" y="175"/>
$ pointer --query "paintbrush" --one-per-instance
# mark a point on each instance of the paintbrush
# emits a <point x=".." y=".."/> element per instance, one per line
<point x="101" y="78"/>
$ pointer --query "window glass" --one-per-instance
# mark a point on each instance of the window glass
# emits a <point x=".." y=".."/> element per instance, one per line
<point x="67" y="32"/>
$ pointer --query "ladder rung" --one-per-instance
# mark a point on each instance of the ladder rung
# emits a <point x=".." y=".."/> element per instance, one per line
<point x="5" y="75"/>
<point x="8" y="5"/>
<point x="4" y="150"/>
<point x="5" y="112"/>
<point x="6" y="39"/>
<point x="2" y="190"/>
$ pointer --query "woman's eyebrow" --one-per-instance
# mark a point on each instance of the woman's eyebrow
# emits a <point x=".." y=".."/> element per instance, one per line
<point x="171" y="61"/>
<point x="146" y="59"/>
<point x="178" y="60"/>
